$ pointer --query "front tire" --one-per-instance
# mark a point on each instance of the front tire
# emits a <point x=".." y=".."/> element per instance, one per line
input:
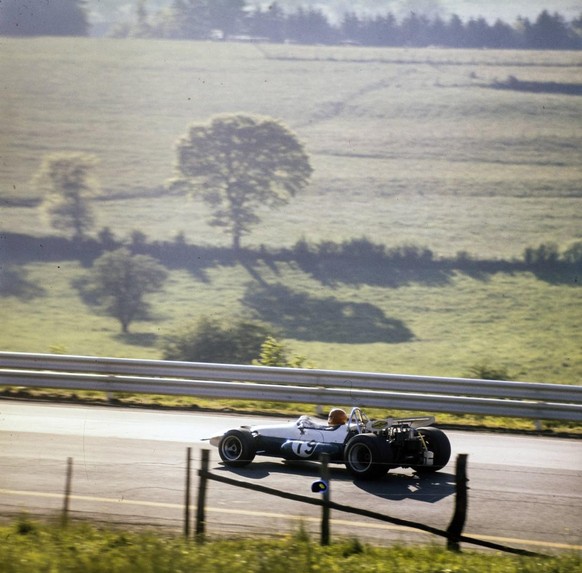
<point x="236" y="448"/>
<point x="437" y="442"/>
<point x="367" y="456"/>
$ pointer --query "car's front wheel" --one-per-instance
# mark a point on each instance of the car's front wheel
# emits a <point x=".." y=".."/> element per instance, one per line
<point x="367" y="456"/>
<point x="236" y="448"/>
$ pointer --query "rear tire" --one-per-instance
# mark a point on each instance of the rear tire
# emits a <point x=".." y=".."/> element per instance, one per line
<point x="236" y="448"/>
<point x="438" y="443"/>
<point x="367" y="456"/>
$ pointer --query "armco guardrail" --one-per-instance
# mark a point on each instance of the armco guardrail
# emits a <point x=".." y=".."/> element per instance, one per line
<point x="536" y="401"/>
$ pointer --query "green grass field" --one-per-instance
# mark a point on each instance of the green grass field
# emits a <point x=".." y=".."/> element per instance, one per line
<point x="408" y="146"/>
<point x="29" y="546"/>
<point x="514" y="321"/>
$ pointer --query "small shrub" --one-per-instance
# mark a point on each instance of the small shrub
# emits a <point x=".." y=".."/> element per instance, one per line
<point x="488" y="372"/>
<point x="362" y="249"/>
<point x="107" y="238"/>
<point x="353" y="547"/>
<point x="301" y="534"/>
<point x="573" y="254"/>
<point x="274" y="353"/>
<point x="210" y="340"/>
<point x="58" y="349"/>
<point x="544" y="255"/>
<point x="25" y="526"/>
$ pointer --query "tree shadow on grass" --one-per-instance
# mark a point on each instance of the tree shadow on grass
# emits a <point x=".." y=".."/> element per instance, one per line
<point x="86" y="291"/>
<point x="334" y="271"/>
<point x="147" y="339"/>
<point x="14" y="282"/>
<point x="305" y="317"/>
<point x="565" y="276"/>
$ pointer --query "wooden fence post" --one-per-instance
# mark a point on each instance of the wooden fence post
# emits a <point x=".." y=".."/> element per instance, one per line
<point x="455" y="529"/>
<point x="187" y="493"/>
<point x="325" y="530"/>
<point x="68" y="481"/>
<point x="202" y="484"/>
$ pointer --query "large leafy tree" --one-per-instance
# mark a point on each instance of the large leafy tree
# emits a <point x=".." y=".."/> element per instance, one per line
<point x="67" y="184"/>
<point x="240" y="163"/>
<point x="36" y="18"/>
<point x="120" y="282"/>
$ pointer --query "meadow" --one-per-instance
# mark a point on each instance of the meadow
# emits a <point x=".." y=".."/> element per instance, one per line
<point x="408" y="147"/>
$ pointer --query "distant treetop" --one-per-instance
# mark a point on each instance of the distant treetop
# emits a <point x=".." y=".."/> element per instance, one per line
<point x="306" y="23"/>
<point x="240" y="21"/>
<point x="54" y="18"/>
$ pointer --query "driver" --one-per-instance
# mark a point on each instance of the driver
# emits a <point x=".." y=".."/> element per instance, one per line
<point x="337" y="417"/>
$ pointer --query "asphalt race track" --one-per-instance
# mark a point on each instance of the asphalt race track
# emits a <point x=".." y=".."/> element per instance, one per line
<point x="129" y="467"/>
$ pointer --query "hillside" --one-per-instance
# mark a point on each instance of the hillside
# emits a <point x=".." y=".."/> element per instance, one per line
<point x="428" y="147"/>
<point x="407" y="145"/>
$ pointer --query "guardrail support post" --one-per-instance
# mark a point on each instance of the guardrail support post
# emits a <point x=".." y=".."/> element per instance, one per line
<point x="325" y="531"/>
<point x="455" y="529"/>
<point x="187" y="493"/>
<point x="68" y="481"/>
<point x="202" y="484"/>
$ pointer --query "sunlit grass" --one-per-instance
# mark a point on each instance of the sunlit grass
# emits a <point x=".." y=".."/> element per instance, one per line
<point x="407" y="145"/>
<point x="32" y="546"/>
<point x="484" y="314"/>
<point x="518" y="322"/>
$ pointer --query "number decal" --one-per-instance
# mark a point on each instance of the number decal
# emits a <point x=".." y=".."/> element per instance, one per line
<point x="304" y="452"/>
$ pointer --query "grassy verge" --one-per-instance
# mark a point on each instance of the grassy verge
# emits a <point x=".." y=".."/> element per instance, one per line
<point x="29" y="546"/>
<point x="469" y="421"/>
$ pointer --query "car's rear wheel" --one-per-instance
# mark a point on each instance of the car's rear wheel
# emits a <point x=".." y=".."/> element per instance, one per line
<point x="436" y="442"/>
<point x="367" y="456"/>
<point x="236" y="448"/>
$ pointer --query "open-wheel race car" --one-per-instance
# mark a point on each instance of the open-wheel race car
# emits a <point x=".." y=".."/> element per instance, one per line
<point x="368" y="448"/>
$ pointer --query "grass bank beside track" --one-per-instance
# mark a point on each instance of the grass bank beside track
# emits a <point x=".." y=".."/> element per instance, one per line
<point x="28" y="546"/>
<point x="281" y="409"/>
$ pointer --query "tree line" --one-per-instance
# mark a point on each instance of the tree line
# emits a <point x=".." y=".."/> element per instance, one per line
<point x="124" y="271"/>
<point x="235" y="20"/>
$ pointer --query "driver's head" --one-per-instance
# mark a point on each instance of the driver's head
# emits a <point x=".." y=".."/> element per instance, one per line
<point x="337" y="417"/>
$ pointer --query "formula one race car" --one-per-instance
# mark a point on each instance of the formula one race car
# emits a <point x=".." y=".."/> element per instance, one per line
<point x="368" y="448"/>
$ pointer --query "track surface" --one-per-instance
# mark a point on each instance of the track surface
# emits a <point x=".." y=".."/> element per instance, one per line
<point x="129" y="467"/>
